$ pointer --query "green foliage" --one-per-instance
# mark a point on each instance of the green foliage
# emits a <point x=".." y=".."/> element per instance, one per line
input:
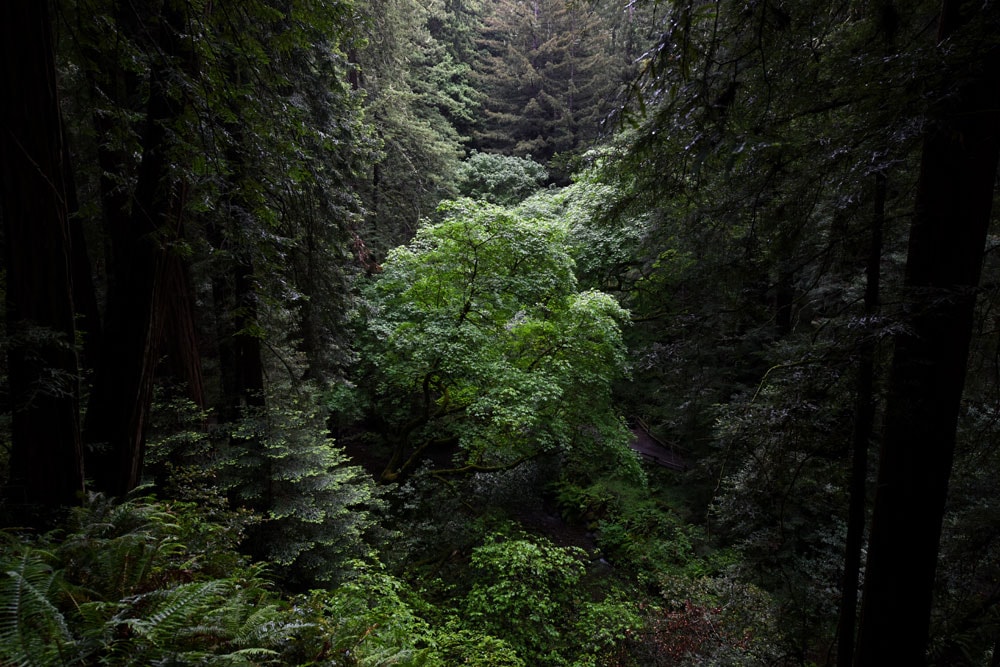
<point x="416" y="92"/>
<point x="470" y="646"/>
<point x="499" y="179"/>
<point x="477" y="336"/>
<point x="33" y="630"/>
<point x="652" y="541"/>
<point x="316" y="509"/>
<point x="147" y="583"/>
<point x="548" y="70"/>
<point x="782" y="496"/>
<point x="527" y="591"/>
<point x="122" y="587"/>
<point x="366" y="622"/>
<point x="637" y="531"/>
<point x="520" y="580"/>
<point x="604" y="248"/>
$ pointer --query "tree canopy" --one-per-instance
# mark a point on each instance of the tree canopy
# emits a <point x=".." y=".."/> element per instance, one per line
<point x="479" y="338"/>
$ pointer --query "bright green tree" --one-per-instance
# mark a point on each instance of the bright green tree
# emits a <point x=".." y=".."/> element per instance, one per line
<point x="480" y="344"/>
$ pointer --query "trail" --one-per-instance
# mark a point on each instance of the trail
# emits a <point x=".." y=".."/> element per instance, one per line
<point x="656" y="451"/>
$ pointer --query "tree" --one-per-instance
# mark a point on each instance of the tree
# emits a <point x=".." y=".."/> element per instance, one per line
<point x="748" y="293"/>
<point x="548" y="74"/>
<point x="46" y="464"/>
<point x="944" y="261"/>
<point x="143" y="235"/>
<point x="481" y="347"/>
<point x="315" y="510"/>
<point x="414" y="89"/>
<point x="499" y="179"/>
<point x="234" y="194"/>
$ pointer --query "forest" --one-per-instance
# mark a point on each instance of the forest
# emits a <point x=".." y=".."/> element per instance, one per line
<point x="507" y="333"/>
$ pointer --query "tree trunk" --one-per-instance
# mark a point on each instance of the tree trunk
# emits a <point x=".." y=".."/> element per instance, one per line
<point x="88" y="314"/>
<point x="46" y="460"/>
<point x="123" y="387"/>
<point x="234" y="293"/>
<point x="180" y="333"/>
<point x="239" y="346"/>
<point x="864" y="424"/>
<point x="944" y="260"/>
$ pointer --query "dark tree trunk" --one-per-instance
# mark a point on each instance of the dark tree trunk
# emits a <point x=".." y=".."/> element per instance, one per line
<point x="243" y="352"/>
<point x="46" y="462"/>
<point x="864" y="424"/>
<point x="88" y="315"/>
<point x="180" y="334"/>
<point x="234" y="294"/>
<point x="944" y="260"/>
<point x="122" y="393"/>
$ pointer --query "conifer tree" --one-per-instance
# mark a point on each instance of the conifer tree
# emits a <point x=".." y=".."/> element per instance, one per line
<point x="414" y="89"/>
<point x="953" y="210"/>
<point x="549" y="75"/>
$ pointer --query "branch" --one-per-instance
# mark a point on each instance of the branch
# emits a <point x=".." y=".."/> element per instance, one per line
<point x="475" y="467"/>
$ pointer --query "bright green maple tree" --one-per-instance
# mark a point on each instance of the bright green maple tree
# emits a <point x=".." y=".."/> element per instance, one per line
<point x="479" y="344"/>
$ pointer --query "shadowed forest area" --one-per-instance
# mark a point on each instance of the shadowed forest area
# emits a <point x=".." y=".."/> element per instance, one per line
<point x="499" y="333"/>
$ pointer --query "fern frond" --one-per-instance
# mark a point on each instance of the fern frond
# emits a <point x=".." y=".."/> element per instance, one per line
<point x="115" y="549"/>
<point x="176" y="608"/>
<point x="33" y="631"/>
<point x="247" y="657"/>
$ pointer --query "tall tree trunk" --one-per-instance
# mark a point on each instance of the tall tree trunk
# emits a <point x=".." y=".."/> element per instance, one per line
<point x="944" y="261"/>
<point x="180" y="332"/>
<point x="864" y="424"/>
<point x="120" y="399"/>
<point x="46" y="461"/>
<point x="88" y="314"/>
<point x="234" y="292"/>
<point x="242" y="371"/>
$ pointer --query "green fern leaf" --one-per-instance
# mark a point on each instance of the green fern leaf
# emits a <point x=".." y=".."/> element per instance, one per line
<point x="33" y="631"/>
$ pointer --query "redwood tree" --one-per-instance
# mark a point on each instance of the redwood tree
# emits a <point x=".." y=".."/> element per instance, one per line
<point x="46" y="464"/>
<point x="944" y="258"/>
<point x="140" y="238"/>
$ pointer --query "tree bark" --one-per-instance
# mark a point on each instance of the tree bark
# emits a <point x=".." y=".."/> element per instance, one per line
<point x="864" y="425"/>
<point x="46" y="457"/>
<point x="944" y="260"/>
<point x="136" y="312"/>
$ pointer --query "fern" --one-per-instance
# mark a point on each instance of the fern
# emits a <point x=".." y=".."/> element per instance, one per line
<point x="116" y="550"/>
<point x="120" y="588"/>
<point x="33" y="631"/>
<point x="159" y="622"/>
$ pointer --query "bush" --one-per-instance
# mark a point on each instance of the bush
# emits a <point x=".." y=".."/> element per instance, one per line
<point x="527" y="591"/>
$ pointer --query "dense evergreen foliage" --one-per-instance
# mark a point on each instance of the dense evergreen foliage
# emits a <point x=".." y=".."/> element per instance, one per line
<point x="499" y="333"/>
